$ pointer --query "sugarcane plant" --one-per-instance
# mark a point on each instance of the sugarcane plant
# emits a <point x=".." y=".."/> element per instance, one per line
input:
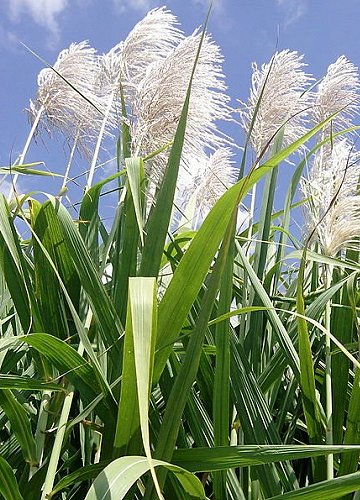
<point x="192" y="343"/>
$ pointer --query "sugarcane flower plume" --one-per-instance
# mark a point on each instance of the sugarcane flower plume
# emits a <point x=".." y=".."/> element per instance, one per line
<point x="76" y="113"/>
<point x="338" y="92"/>
<point x="333" y="198"/>
<point x="159" y="98"/>
<point x="149" y="41"/>
<point x="278" y="95"/>
<point x="210" y="177"/>
<point x="154" y="65"/>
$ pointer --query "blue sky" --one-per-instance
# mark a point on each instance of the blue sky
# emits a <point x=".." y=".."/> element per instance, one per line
<point x="246" y="30"/>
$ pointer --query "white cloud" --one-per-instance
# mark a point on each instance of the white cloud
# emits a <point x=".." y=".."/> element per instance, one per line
<point x="217" y="4"/>
<point x="219" y="12"/>
<point x="9" y="40"/>
<point x="293" y="10"/>
<point x="139" y="5"/>
<point x="43" y="12"/>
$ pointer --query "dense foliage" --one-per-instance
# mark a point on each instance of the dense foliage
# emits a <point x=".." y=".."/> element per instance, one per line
<point x="175" y="351"/>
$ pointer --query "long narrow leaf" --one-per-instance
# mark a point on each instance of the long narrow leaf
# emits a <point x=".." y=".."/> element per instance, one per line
<point x="9" y="489"/>
<point x="118" y="477"/>
<point x="333" y="488"/>
<point x="20" y="424"/>
<point x="160" y="214"/>
<point x="307" y="376"/>
<point x="143" y="310"/>
<point x="226" y="457"/>
<point x="77" y="369"/>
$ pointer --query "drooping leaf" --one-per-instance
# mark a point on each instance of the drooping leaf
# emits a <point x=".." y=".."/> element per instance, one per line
<point x="118" y="477"/>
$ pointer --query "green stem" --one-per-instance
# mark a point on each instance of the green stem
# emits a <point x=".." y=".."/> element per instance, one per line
<point x="68" y="166"/>
<point x="328" y="383"/>
<point x="56" y="450"/>
<point x="40" y="430"/>
<point x="64" y="417"/>
<point x="98" y="143"/>
<point x="21" y="158"/>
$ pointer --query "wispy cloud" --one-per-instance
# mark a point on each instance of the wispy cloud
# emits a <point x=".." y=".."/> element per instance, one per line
<point x="293" y="10"/>
<point x="43" y="12"/>
<point x="217" y="4"/>
<point x="139" y="5"/>
<point x="219" y="8"/>
<point x="9" y="40"/>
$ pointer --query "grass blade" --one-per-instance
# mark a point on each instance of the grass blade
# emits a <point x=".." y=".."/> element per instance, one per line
<point x="221" y="395"/>
<point x="226" y="457"/>
<point x="193" y="268"/>
<point x="26" y="383"/>
<point x="107" y="318"/>
<point x="136" y="176"/>
<point x="333" y="488"/>
<point x="20" y="424"/>
<point x="279" y="329"/>
<point x="349" y="463"/>
<point x="118" y="477"/>
<point x="160" y="214"/>
<point x="185" y="378"/>
<point x="143" y="310"/>
<point x="307" y="377"/>
<point x="9" y="489"/>
<point x="79" y="371"/>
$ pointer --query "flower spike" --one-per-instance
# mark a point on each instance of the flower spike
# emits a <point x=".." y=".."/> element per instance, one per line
<point x="277" y="96"/>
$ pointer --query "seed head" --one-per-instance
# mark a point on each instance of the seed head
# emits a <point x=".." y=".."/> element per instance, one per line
<point x="149" y="41"/>
<point x="333" y="205"/>
<point x="70" y="103"/>
<point x="210" y="177"/>
<point x="277" y="95"/>
<point x="338" y="90"/>
<point x="159" y="98"/>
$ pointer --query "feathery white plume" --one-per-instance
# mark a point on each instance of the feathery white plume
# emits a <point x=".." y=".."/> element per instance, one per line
<point x="149" y="41"/>
<point x="333" y="205"/>
<point x="154" y="65"/>
<point x="159" y="98"/>
<point x="210" y="177"/>
<point x="63" y="107"/>
<point x="278" y="93"/>
<point x="337" y="90"/>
